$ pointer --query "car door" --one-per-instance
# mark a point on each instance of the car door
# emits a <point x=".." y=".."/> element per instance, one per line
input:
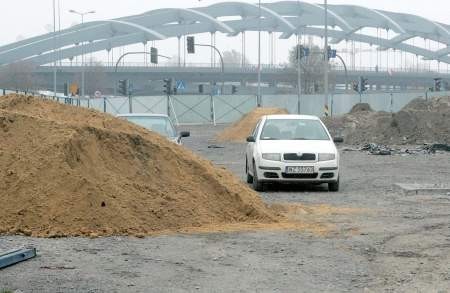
<point x="251" y="145"/>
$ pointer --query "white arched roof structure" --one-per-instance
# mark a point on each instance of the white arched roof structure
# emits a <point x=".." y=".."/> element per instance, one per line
<point x="285" y="17"/>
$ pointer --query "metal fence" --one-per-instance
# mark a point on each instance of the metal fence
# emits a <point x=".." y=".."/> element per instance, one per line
<point x="206" y="109"/>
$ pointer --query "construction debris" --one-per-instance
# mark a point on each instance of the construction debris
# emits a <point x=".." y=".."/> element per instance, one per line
<point x="423" y="189"/>
<point x="384" y="150"/>
<point x="13" y="257"/>
<point x="418" y="122"/>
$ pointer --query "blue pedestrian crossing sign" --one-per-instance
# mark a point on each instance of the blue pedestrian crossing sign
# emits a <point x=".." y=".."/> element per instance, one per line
<point x="181" y="85"/>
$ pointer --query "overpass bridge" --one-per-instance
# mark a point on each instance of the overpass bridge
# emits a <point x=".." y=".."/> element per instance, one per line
<point x="276" y="79"/>
<point x="388" y="32"/>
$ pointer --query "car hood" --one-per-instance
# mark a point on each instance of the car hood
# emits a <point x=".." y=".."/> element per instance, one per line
<point x="296" y="146"/>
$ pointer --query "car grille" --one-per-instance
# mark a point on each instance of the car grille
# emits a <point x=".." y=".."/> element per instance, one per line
<point x="300" y="176"/>
<point x="296" y="157"/>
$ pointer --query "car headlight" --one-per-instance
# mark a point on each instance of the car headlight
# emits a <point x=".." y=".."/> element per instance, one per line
<point x="272" y="157"/>
<point x="327" y="157"/>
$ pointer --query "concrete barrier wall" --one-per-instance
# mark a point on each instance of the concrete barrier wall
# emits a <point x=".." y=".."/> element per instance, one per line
<point x="205" y="109"/>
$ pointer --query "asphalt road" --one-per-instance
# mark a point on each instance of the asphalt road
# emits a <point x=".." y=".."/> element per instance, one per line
<point x="379" y="240"/>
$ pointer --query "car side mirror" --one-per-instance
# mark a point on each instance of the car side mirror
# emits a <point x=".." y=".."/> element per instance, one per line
<point x="251" y="139"/>
<point x="338" y="139"/>
<point x="185" y="134"/>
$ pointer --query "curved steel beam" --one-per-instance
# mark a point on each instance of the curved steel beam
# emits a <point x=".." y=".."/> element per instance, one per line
<point x="399" y="28"/>
<point x="66" y="39"/>
<point x="245" y="10"/>
<point x="344" y="24"/>
<point x="266" y="25"/>
<point x="150" y="32"/>
<point x="192" y="14"/>
<point x="162" y="23"/>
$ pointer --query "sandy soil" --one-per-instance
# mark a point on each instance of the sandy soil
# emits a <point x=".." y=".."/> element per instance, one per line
<point x="69" y="171"/>
<point x="241" y="129"/>
<point x="367" y="238"/>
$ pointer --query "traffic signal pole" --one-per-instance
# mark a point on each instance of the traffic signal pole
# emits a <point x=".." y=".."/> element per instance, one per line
<point x="135" y="53"/>
<point x="132" y="53"/>
<point x="191" y="50"/>
<point x="326" y="60"/>
<point x="299" y="74"/>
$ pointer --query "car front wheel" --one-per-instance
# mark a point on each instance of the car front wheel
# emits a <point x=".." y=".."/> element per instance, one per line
<point x="333" y="186"/>
<point x="257" y="184"/>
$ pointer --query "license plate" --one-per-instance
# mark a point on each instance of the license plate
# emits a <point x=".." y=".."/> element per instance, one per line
<point x="300" y="170"/>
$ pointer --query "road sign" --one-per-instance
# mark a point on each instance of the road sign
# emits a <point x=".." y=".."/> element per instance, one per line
<point x="181" y="85"/>
<point x="98" y="94"/>
<point x="73" y="89"/>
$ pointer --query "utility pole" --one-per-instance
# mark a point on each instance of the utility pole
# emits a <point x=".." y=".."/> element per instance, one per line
<point x="326" y="108"/>
<point x="54" y="49"/>
<point x="259" y="55"/>
<point x="299" y="73"/>
<point x="82" y="14"/>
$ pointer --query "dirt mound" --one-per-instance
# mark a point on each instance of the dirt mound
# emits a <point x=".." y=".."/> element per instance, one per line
<point x="418" y="122"/>
<point x="69" y="171"/>
<point x="239" y="131"/>
<point x="361" y="107"/>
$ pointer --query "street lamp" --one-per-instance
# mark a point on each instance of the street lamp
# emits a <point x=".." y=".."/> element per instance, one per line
<point x="54" y="49"/>
<point x="82" y="14"/>
<point x="259" y="55"/>
<point x="326" y="107"/>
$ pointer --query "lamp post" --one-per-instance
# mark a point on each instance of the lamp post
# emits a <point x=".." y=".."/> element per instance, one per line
<point x="326" y="60"/>
<point x="54" y="49"/>
<point x="259" y="55"/>
<point x="82" y="14"/>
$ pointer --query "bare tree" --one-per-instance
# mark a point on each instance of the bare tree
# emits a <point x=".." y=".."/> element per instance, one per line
<point x="18" y="76"/>
<point x="312" y="69"/>
<point x="95" y="77"/>
<point x="233" y="58"/>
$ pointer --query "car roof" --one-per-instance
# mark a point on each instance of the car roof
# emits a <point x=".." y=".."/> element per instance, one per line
<point x="142" y="115"/>
<point x="291" y="116"/>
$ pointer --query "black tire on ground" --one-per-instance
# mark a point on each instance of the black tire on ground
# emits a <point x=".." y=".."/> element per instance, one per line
<point x="249" y="177"/>
<point x="257" y="184"/>
<point x="334" y="186"/>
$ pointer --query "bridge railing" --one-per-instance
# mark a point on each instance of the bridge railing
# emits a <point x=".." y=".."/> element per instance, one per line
<point x="254" y="67"/>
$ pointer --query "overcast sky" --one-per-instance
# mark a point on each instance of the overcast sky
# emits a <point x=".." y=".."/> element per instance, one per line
<point x="26" y="18"/>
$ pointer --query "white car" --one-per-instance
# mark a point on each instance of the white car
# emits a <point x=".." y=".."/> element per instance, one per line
<point x="292" y="148"/>
<point x="158" y="123"/>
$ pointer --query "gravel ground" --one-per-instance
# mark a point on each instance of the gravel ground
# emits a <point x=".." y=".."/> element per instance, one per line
<point x="396" y="243"/>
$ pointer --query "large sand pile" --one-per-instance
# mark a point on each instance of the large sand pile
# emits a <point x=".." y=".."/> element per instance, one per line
<point x="418" y="122"/>
<point x="240" y="130"/>
<point x="69" y="171"/>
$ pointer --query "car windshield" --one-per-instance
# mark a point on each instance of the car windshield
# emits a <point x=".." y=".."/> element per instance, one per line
<point x="293" y="129"/>
<point x="159" y="124"/>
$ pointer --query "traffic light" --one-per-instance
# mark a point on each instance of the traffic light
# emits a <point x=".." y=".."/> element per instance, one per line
<point x="331" y="53"/>
<point x="233" y="89"/>
<point x="200" y="88"/>
<point x="355" y="86"/>
<point x="190" y="45"/>
<point x="154" y="55"/>
<point x="437" y="84"/>
<point x="364" y="84"/>
<point x="168" y="86"/>
<point x="175" y="90"/>
<point x="123" y="87"/>
<point x="302" y="52"/>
